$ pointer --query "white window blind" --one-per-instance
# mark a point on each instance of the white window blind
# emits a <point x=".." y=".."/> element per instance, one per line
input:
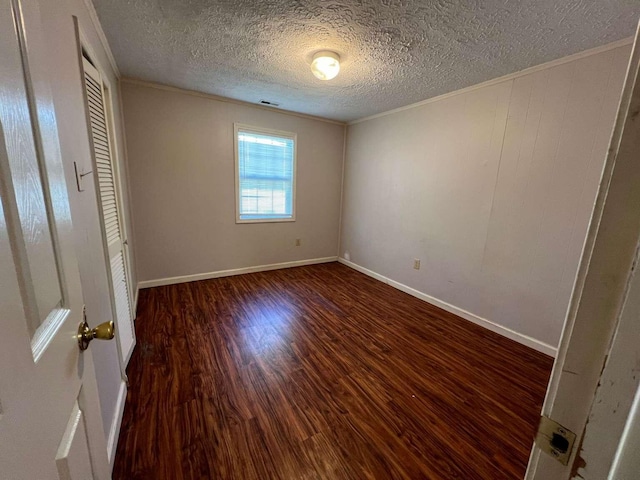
<point x="266" y="175"/>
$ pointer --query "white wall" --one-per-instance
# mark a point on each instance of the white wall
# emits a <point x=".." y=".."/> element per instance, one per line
<point x="491" y="188"/>
<point x="66" y="85"/>
<point x="181" y="164"/>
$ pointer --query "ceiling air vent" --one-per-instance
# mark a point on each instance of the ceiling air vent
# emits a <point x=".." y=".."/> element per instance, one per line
<point x="268" y="103"/>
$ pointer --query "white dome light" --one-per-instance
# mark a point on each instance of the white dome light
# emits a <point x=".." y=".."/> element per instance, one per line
<point x="325" y="65"/>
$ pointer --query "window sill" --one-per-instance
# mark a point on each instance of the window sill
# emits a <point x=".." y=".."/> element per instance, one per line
<point x="265" y="220"/>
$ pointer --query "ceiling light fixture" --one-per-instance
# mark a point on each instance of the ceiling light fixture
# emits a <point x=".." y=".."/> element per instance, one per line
<point x="325" y="65"/>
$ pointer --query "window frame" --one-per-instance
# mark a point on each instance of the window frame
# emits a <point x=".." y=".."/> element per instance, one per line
<point x="241" y="127"/>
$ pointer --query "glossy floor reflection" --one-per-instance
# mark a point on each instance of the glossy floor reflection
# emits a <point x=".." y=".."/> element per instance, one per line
<point x="322" y="373"/>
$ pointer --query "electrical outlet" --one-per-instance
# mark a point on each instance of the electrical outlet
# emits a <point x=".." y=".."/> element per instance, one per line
<point x="298" y="242"/>
<point x="416" y="263"/>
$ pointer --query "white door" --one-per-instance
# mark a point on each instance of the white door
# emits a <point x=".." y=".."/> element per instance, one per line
<point x="601" y="322"/>
<point x="109" y="206"/>
<point x="50" y="425"/>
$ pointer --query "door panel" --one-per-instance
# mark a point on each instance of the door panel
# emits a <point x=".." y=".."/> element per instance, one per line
<point x="109" y="206"/>
<point x="73" y="459"/>
<point x="39" y="276"/>
<point x="123" y="308"/>
<point x="36" y="253"/>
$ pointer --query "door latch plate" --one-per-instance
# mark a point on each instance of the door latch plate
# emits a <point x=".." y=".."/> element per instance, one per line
<point x="555" y="440"/>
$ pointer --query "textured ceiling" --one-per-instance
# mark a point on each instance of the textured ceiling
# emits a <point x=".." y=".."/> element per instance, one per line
<point x="394" y="52"/>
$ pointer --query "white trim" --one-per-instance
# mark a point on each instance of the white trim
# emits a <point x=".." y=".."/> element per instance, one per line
<point x="483" y="322"/>
<point x="131" y="256"/>
<point x="241" y="127"/>
<point x="49" y="328"/>
<point x="116" y="167"/>
<point x="103" y="38"/>
<point x="504" y="78"/>
<point x="263" y="220"/>
<point x="228" y="273"/>
<point x="210" y="96"/>
<point x="114" y="431"/>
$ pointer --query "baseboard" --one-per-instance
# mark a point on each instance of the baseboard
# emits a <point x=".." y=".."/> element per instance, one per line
<point x="114" y="432"/>
<point x="228" y="273"/>
<point x="483" y="322"/>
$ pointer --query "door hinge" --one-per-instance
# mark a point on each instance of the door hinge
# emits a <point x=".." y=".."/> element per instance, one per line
<point x="555" y="440"/>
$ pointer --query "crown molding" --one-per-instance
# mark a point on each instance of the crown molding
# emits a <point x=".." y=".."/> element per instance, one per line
<point x="510" y="76"/>
<point x="210" y="96"/>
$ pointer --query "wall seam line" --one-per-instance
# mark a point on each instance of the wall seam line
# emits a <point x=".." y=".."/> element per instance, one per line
<point x="495" y="183"/>
<point x="344" y="161"/>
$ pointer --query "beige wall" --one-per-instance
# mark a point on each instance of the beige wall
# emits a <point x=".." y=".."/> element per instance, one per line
<point x="66" y="85"/>
<point x="491" y="189"/>
<point x="181" y="164"/>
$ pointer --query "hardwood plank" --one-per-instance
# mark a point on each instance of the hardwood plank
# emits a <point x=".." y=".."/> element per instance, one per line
<point x="319" y="373"/>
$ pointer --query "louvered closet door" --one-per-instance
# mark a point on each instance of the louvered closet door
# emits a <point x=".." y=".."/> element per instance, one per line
<point x="109" y="210"/>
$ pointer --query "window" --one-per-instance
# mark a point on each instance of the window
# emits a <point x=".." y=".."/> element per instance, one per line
<point x="265" y="175"/>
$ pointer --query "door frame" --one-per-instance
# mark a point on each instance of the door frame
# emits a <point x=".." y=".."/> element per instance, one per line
<point x="600" y="290"/>
<point x="84" y="46"/>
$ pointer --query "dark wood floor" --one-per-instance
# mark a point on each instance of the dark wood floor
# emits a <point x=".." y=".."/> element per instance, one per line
<point x="322" y="373"/>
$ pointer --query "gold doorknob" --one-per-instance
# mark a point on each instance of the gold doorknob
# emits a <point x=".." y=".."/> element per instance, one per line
<point x="104" y="331"/>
